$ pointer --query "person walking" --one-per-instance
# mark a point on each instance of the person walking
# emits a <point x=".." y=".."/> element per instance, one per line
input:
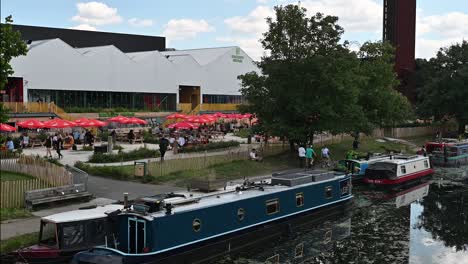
<point x="163" y="143"/>
<point x="48" y="145"/>
<point x="302" y="154"/>
<point x="326" y="156"/>
<point x="58" y="146"/>
<point x="310" y="153"/>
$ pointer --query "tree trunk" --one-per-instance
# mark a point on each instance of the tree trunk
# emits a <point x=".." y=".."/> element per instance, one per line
<point x="291" y="146"/>
<point x="461" y="126"/>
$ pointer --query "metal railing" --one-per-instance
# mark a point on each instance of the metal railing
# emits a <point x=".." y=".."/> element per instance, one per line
<point x="36" y="107"/>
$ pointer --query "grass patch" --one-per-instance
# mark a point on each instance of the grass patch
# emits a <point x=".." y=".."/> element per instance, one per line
<point x="419" y="140"/>
<point x="141" y="153"/>
<point x="17" y="242"/>
<point x="115" y="172"/>
<point x="13" y="213"/>
<point x="14" y="176"/>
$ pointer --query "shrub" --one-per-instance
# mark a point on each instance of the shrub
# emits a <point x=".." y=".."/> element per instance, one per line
<point x="243" y="133"/>
<point x="104" y="136"/>
<point x="105" y="171"/>
<point x="87" y="148"/>
<point x="137" y="154"/>
<point x="211" y="146"/>
<point x="149" y="138"/>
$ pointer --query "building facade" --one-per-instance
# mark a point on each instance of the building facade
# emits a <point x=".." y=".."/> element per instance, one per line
<point x="107" y="77"/>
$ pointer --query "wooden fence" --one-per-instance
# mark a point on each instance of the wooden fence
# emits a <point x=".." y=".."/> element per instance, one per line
<point x="12" y="192"/>
<point x="46" y="175"/>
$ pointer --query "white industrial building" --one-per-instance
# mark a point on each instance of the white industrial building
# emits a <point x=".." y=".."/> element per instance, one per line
<point x="106" y="77"/>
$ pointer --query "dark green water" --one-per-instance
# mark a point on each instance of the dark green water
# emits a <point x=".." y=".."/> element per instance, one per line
<point x="425" y="222"/>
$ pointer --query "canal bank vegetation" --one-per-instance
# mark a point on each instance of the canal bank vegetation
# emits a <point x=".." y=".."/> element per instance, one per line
<point x="141" y="153"/>
<point x="235" y="165"/>
<point x="14" y="243"/>
<point x="13" y="213"/>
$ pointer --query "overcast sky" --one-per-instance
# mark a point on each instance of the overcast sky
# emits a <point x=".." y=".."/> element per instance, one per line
<point x="213" y="23"/>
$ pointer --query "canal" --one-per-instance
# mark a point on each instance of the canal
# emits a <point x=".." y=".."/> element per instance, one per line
<point x="424" y="222"/>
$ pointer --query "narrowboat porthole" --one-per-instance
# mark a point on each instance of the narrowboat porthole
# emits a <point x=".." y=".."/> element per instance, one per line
<point x="196" y="225"/>
<point x="426" y="164"/>
<point x="299" y="251"/>
<point x="403" y="169"/>
<point x="240" y="214"/>
<point x="272" y="206"/>
<point x="328" y="192"/>
<point x="299" y="199"/>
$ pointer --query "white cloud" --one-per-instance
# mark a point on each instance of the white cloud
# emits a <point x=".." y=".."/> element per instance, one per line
<point x="262" y="1"/>
<point x="96" y="13"/>
<point x="454" y="24"/>
<point x="137" y="22"/>
<point x="84" y="27"/>
<point x="254" y="23"/>
<point x="427" y="48"/>
<point x="179" y="29"/>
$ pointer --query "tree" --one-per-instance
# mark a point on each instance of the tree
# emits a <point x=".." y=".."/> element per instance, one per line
<point x="443" y="91"/>
<point x="11" y="45"/>
<point x="311" y="82"/>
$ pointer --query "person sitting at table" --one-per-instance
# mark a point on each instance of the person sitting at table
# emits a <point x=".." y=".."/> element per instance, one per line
<point x="254" y="155"/>
<point x="10" y="145"/>
<point x="131" y="136"/>
<point x="181" y="141"/>
<point x="76" y="136"/>
<point x="24" y="140"/>
<point x="68" y="142"/>
<point x="88" y="138"/>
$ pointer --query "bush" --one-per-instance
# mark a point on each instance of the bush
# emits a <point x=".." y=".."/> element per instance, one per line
<point x="105" y="171"/>
<point x="149" y="138"/>
<point x="141" y="153"/>
<point x="243" y="133"/>
<point x="104" y="136"/>
<point x="211" y="146"/>
<point x="87" y="148"/>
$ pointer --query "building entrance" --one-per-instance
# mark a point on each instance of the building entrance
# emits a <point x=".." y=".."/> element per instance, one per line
<point x="189" y="95"/>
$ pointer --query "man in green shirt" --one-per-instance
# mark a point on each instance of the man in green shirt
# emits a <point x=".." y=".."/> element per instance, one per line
<point x="310" y="153"/>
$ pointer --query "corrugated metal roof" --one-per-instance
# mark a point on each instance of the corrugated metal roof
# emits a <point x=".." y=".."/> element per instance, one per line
<point x="202" y="56"/>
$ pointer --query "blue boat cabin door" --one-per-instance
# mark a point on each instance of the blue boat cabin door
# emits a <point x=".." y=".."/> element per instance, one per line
<point x="136" y="235"/>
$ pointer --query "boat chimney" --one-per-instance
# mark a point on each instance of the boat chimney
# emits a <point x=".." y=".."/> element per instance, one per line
<point x="125" y="200"/>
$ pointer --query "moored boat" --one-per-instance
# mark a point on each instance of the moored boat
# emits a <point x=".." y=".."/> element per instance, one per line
<point x="160" y="225"/>
<point x="357" y="167"/>
<point x="450" y="155"/>
<point x="398" y="169"/>
<point x="64" y="234"/>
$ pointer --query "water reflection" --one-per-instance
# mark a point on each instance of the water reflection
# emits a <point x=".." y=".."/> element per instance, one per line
<point x="419" y="223"/>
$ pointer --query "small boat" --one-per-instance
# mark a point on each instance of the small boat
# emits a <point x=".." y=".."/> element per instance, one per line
<point x="398" y="169"/>
<point x="357" y="167"/>
<point x="450" y="155"/>
<point x="161" y="225"/>
<point x="403" y="196"/>
<point x="64" y="234"/>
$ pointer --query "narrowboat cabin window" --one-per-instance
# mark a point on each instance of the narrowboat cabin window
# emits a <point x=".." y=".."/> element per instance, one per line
<point x="328" y="192"/>
<point x="272" y="206"/>
<point x="426" y="164"/>
<point x="240" y="214"/>
<point x="299" y="251"/>
<point x="299" y="199"/>
<point x="273" y="260"/>
<point x="403" y="169"/>
<point x="48" y="234"/>
<point x="196" y="225"/>
<point x="96" y="231"/>
<point x="73" y="235"/>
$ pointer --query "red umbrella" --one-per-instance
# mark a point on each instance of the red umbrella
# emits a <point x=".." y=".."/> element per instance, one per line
<point x="247" y="116"/>
<point x="79" y="121"/>
<point x="135" y="120"/>
<point x="183" y="125"/>
<point x="92" y="123"/>
<point x="220" y="115"/>
<point x="31" y="124"/>
<point x="59" y="123"/>
<point x="118" y="119"/>
<point x="198" y="119"/>
<point x="6" y="128"/>
<point x="176" y="116"/>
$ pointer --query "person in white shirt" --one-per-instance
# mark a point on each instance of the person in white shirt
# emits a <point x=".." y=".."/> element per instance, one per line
<point x="325" y="153"/>
<point x="181" y="141"/>
<point x="302" y="154"/>
<point x="254" y="155"/>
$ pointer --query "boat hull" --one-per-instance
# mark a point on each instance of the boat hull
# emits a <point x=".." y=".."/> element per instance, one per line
<point x="400" y="180"/>
<point x="456" y="161"/>
<point x="209" y="249"/>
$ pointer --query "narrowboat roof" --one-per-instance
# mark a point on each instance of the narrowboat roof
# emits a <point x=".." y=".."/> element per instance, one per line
<point x="198" y="200"/>
<point x="402" y="159"/>
<point x="372" y="158"/>
<point x="83" y="214"/>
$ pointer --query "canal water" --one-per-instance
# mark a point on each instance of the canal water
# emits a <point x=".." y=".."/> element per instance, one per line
<point x="424" y="222"/>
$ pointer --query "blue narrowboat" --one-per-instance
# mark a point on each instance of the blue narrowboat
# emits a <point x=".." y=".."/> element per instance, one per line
<point x="357" y="167"/>
<point x="454" y="155"/>
<point x="160" y="225"/>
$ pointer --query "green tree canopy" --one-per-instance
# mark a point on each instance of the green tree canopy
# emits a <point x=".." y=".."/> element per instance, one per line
<point x="311" y="82"/>
<point x="11" y="45"/>
<point x="443" y="85"/>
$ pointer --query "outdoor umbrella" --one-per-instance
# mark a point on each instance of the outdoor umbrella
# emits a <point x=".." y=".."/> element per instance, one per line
<point x="31" y="124"/>
<point x="183" y="125"/>
<point x="59" y="123"/>
<point x="212" y="118"/>
<point x="118" y="119"/>
<point x="134" y="120"/>
<point x="79" y="121"/>
<point x="247" y="116"/>
<point x="176" y="116"/>
<point x="197" y="119"/>
<point x="220" y="115"/>
<point x="92" y="123"/>
<point x="6" y="128"/>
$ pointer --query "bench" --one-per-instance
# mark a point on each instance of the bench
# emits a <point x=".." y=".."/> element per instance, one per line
<point x="33" y="142"/>
<point x="48" y="195"/>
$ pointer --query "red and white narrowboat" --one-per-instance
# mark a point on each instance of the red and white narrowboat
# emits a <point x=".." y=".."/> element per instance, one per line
<point x="398" y="169"/>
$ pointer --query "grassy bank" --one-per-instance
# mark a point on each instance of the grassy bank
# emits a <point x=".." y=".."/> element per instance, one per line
<point x="13" y="213"/>
<point x="13" y="176"/>
<point x="17" y="242"/>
